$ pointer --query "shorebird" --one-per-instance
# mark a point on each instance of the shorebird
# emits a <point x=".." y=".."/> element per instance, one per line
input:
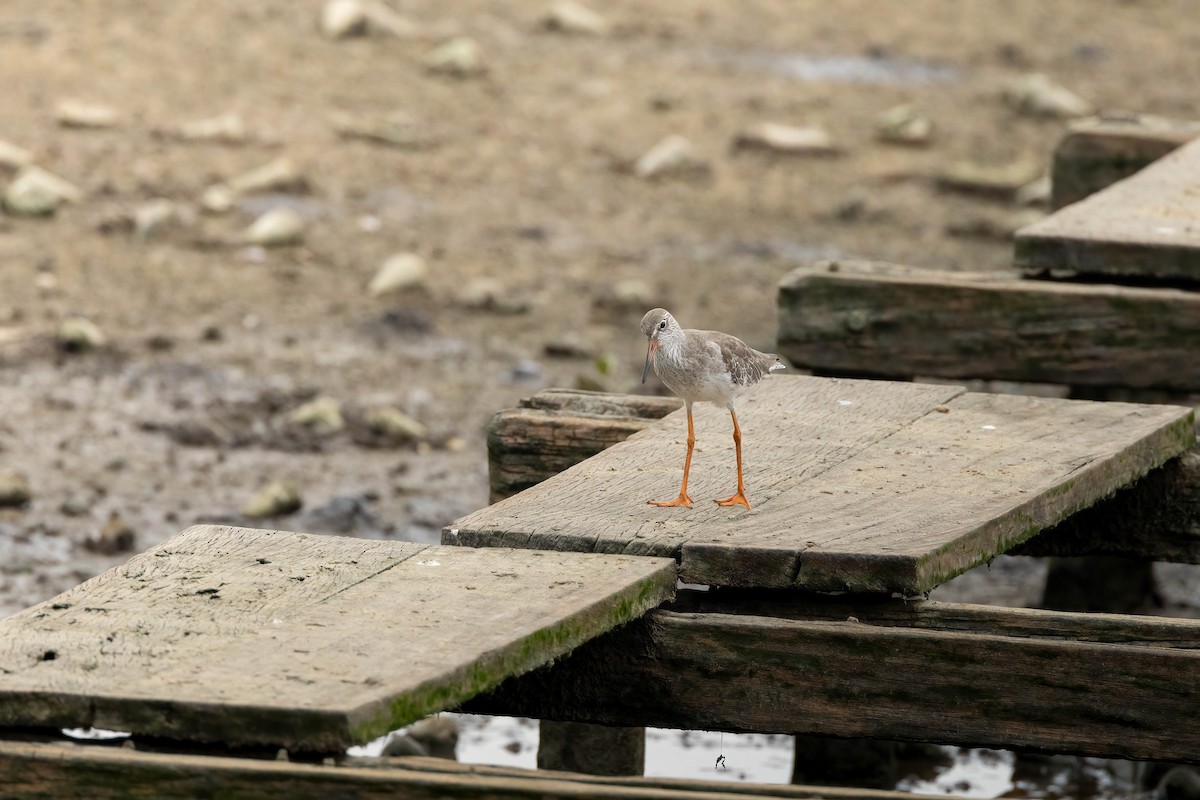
<point x="703" y="366"/>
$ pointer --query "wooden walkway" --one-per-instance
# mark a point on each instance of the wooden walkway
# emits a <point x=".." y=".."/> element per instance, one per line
<point x="855" y="485"/>
<point x="1146" y="226"/>
<point x="310" y="642"/>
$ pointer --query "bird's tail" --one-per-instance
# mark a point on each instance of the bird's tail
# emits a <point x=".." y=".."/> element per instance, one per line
<point x="777" y="365"/>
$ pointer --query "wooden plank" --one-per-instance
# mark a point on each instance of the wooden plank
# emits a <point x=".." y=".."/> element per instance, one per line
<point x="309" y="642"/>
<point x="892" y="321"/>
<point x="1146" y="226"/>
<point x="557" y="428"/>
<point x="1155" y="519"/>
<point x="1096" y="153"/>
<point x="42" y="770"/>
<point x="1067" y="690"/>
<point x="856" y="485"/>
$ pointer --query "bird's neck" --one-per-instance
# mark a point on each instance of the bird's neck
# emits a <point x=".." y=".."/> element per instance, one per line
<point x="670" y="348"/>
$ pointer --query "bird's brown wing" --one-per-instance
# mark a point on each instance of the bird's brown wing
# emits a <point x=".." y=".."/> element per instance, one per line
<point x="746" y="365"/>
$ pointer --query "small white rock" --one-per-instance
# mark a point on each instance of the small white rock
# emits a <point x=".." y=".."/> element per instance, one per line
<point x="36" y="192"/>
<point x="904" y="124"/>
<point x="280" y="174"/>
<point x="571" y="17"/>
<point x="673" y="154"/>
<point x="14" y="157"/>
<point x="276" y="228"/>
<point x="77" y="114"/>
<point x="460" y="57"/>
<point x="152" y="218"/>
<point x="322" y="415"/>
<point x="382" y="18"/>
<point x="394" y="424"/>
<point x="227" y="129"/>
<point x="1036" y="95"/>
<point x="277" y="499"/>
<point x="77" y="334"/>
<point x="343" y="18"/>
<point x="786" y="139"/>
<point x="399" y="272"/>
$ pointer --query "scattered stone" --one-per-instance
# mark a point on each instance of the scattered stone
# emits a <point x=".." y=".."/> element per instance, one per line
<point x="343" y="18"/>
<point x="1035" y="193"/>
<point x="674" y="155"/>
<point x="401" y="271"/>
<point x="785" y="139"/>
<point x="276" y="500"/>
<point x="322" y="415"/>
<point x="14" y="489"/>
<point x="115" y="537"/>
<point x="46" y="281"/>
<point x="997" y="180"/>
<point x="1036" y="95"/>
<point x="460" y="57"/>
<point x="904" y="124"/>
<point x="570" y="17"/>
<point x="75" y="506"/>
<point x="224" y="129"/>
<point x="78" y="335"/>
<point x="491" y="294"/>
<point x="276" y="228"/>
<point x="78" y="114"/>
<point x="396" y="129"/>
<point x="384" y="19"/>
<point x="280" y="175"/>
<point x="395" y="426"/>
<point x="400" y="745"/>
<point x="14" y="157"/>
<point x="36" y="192"/>
<point x="152" y="218"/>
<point x="438" y="734"/>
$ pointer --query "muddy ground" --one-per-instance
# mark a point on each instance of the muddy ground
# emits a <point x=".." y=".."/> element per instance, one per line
<point x="521" y="174"/>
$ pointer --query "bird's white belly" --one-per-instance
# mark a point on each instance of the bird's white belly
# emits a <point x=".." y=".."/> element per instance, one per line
<point x="698" y="385"/>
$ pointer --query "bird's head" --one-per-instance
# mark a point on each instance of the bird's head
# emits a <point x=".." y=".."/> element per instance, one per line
<point x="657" y="325"/>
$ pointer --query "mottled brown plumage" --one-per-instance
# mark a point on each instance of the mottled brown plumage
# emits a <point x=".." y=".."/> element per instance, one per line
<point x="703" y="366"/>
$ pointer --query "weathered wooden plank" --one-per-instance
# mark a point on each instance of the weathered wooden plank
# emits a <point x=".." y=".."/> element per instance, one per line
<point x="893" y="321"/>
<point x="49" y="770"/>
<point x="309" y="642"/>
<point x="860" y="485"/>
<point x="557" y="428"/>
<point x="1096" y="153"/>
<point x="853" y="677"/>
<point x="1146" y="226"/>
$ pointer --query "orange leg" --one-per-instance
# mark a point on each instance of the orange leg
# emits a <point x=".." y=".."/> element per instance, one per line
<point x="738" y="498"/>
<point x="683" y="499"/>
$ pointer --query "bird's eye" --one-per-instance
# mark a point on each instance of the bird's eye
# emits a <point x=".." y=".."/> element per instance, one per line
<point x="662" y="326"/>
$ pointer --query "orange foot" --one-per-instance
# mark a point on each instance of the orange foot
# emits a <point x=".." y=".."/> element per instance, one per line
<point x="682" y="500"/>
<point x="738" y="499"/>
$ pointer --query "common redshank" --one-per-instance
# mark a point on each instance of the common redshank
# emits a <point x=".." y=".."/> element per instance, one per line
<point x="703" y="366"/>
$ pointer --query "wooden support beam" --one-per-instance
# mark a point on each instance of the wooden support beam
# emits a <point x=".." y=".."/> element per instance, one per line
<point x="1091" y="684"/>
<point x="1097" y="153"/>
<point x="48" y="770"/>
<point x="886" y="320"/>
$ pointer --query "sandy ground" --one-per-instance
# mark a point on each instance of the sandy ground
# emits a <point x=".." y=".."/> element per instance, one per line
<point x="521" y="175"/>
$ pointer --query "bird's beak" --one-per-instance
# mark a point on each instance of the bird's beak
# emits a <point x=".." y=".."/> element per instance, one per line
<point x="649" y="354"/>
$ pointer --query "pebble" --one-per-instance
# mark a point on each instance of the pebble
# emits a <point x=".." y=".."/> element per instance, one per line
<point x="904" y="124"/>
<point x="343" y="18"/>
<point x="225" y="129"/>
<point x="36" y="192"/>
<point x="401" y="271"/>
<point x="14" y="157"/>
<point x="276" y="500"/>
<point x="75" y="506"/>
<point x="78" y="114"/>
<point x="1035" y="193"/>
<point x="571" y="17"/>
<point x="14" y="489"/>
<point x="152" y="218"/>
<point x="1036" y="95"/>
<point x="460" y="57"/>
<point x="673" y="155"/>
<point x="438" y="734"/>
<point x="282" y="174"/>
<point x="78" y="335"/>
<point x="785" y="139"/>
<point x="115" y="537"/>
<point x="998" y="180"/>
<point x="399" y="745"/>
<point x="321" y="415"/>
<point x="276" y="228"/>
<point x="491" y="294"/>
<point x="396" y="129"/>
<point x="394" y="425"/>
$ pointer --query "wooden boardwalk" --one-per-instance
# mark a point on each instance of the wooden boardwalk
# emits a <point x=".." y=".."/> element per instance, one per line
<point x="1146" y="226"/>
<point x="311" y="642"/>
<point x="856" y="485"/>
